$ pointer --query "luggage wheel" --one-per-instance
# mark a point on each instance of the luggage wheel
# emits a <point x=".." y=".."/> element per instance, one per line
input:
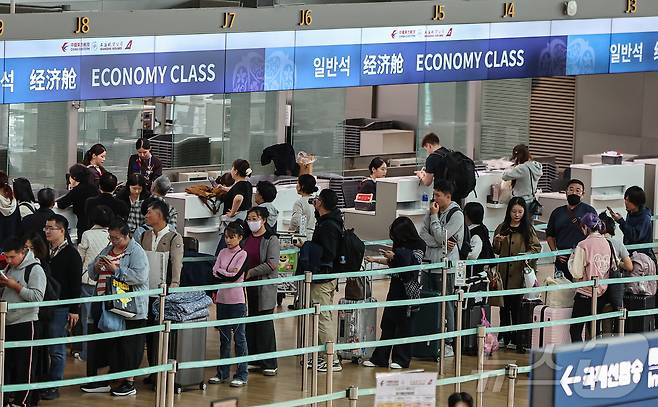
<point x="179" y="389"/>
<point x="203" y="386"/>
<point x="357" y="360"/>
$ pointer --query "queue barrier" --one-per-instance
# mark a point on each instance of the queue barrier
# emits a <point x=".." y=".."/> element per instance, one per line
<point x="167" y="326"/>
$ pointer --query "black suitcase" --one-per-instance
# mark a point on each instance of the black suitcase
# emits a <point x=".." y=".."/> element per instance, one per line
<point x="524" y="337"/>
<point x="634" y="302"/>
<point x="472" y="319"/>
<point x="425" y="321"/>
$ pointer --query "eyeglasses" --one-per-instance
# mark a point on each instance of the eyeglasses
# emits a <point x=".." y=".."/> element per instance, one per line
<point x="51" y="228"/>
<point x="114" y="239"/>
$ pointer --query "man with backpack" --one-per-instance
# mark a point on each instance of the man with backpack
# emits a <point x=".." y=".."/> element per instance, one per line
<point x="443" y="232"/>
<point x="327" y="235"/>
<point x="164" y="240"/>
<point x="445" y="164"/>
<point x="17" y="285"/>
<point x="65" y="266"/>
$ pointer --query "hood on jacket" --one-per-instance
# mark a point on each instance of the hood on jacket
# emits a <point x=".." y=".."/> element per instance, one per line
<point x="29" y="259"/>
<point x="535" y="168"/>
<point x="643" y="212"/>
<point x="271" y="209"/>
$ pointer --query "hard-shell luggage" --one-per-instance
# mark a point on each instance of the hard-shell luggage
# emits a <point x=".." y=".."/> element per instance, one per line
<point x="636" y="303"/>
<point x="557" y="335"/>
<point x="479" y="282"/>
<point x="425" y="321"/>
<point x="355" y="326"/>
<point x="188" y="345"/>
<point x="472" y="319"/>
<point x="526" y="316"/>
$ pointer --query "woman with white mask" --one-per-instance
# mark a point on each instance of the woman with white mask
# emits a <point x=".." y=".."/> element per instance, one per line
<point x="263" y="249"/>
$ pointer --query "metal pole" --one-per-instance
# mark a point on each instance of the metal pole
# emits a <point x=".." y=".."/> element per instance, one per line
<point x="171" y="376"/>
<point x="161" y="392"/>
<point x="594" y="323"/>
<point x="3" y="337"/>
<point x="352" y="395"/>
<point x="512" y="372"/>
<point x="308" y="277"/>
<point x="330" y="371"/>
<point x="314" y="355"/>
<point x="458" y="339"/>
<point x="622" y="321"/>
<point x="442" y="342"/>
<point x="12" y="6"/>
<point x="480" y="385"/>
<point x="162" y="357"/>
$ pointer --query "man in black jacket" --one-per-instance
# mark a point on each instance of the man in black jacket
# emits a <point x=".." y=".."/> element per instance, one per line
<point x="66" y="268"/>
<point x="327" y="234"/>
<point x="35" y="222"/>
<point x="108" y="183"/>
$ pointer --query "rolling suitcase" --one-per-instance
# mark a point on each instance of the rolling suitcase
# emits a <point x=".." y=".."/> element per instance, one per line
<point x="526" y="317"/>
<point x="188" y="345"/>
<point x="634" y="302"/>
<point x="425" y="321"/>
<point x="355" y="326"/>
<point x="557" y="335"/>
<point x="472" y="319"/>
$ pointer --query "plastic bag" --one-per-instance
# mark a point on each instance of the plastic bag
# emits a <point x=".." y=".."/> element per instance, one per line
<point x="530" y="280"/>
<point x="562" y="298"/>
<point x="490" y="340"/>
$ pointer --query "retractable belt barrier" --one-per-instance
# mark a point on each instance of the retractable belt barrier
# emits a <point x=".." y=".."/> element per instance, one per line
<point x="168" y="367"/>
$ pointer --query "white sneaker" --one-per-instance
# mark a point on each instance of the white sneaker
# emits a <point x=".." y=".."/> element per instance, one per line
<point x="449" y="351"/>
<point x="394" y="366"/>
<point x="511" y="346"/>
<point x="237" y="383"/>
<point x="270" y="372"/>
<point x="368" y="363"/>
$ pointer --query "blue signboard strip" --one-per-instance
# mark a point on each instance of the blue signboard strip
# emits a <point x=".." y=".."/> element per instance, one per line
<point x="105" y="68"/>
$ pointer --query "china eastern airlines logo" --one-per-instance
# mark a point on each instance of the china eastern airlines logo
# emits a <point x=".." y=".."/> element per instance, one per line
<point x="404" y="33"/>
<point x="76" y="46"/>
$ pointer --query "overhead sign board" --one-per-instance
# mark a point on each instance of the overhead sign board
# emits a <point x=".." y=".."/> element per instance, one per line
<point x="121" y="67"/>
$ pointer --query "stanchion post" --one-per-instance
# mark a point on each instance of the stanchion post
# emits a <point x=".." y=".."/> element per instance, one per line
<point x="512" y="372"/>
<point x="329" y="358"/>
<point x="594" y="323"/>
<point x="162" y="357"/>
<point x="171" y="377"/>
<point x="458" y="339"/>
<point x="352" y="395"/>
<point x="3" y="337"/>
<point x="314" y="355"/>
<point x="442" y="342"/>
<point x="480" y="384"/>
<point x="622" y="321"/>
<point x="161" y="392"/>
<point x="308" y="278"/>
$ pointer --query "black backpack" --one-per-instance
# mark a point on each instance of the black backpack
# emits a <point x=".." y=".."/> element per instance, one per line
<point x="465" y="248"/>
<point x="52" y="293"/>
<point x="350" y="253"/>
<point x="460" y="172"/>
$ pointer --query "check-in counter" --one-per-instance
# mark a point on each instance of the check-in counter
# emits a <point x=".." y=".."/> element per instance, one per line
<point x="196" y="220"/>
<point x="494" y="213"/>
<point x="396" y="196"/>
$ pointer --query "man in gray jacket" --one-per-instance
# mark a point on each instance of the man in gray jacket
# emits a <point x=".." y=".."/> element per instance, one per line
<point x="16" y="288"/>
<point x="443" y="232"/>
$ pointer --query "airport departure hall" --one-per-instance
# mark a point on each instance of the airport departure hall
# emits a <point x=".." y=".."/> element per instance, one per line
<point x="284" y="203"/>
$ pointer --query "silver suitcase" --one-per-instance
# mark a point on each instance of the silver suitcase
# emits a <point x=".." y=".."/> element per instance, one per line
<point x="356" y="326"/>
<point x="189" y="345"/>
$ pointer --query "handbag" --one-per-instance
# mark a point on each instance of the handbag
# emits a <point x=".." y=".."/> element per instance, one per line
<point x="124" y="307"/>
<point x="357" y="289"/>
<point x="615" y="292"/>
<point x="535" y="208"/>
<point x="490" y="340"/>
<point x="110" y="322"/>
<point x="495" y="284"/>
<point x="562" y="298"/>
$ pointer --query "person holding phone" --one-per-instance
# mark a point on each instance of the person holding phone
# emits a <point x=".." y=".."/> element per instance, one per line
<point x="637" y="226"/>
<point x="443" y="233"/>
<point x="408" y="250"/>
<point x="514" y="236"/>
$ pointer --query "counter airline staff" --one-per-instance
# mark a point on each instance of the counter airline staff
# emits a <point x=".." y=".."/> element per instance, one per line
<point x="144" y="163"/>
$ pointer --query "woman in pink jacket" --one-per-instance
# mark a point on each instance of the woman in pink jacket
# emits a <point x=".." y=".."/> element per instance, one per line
<point x="591" y="258"/>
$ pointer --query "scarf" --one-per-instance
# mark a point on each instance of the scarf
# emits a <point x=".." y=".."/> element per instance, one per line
<point x="7" y="206"/>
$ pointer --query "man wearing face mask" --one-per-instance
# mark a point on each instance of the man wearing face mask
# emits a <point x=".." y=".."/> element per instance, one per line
<point x="564" y="231"/>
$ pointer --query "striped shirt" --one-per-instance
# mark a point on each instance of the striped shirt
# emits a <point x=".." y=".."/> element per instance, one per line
<point x="105" y="272"/>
